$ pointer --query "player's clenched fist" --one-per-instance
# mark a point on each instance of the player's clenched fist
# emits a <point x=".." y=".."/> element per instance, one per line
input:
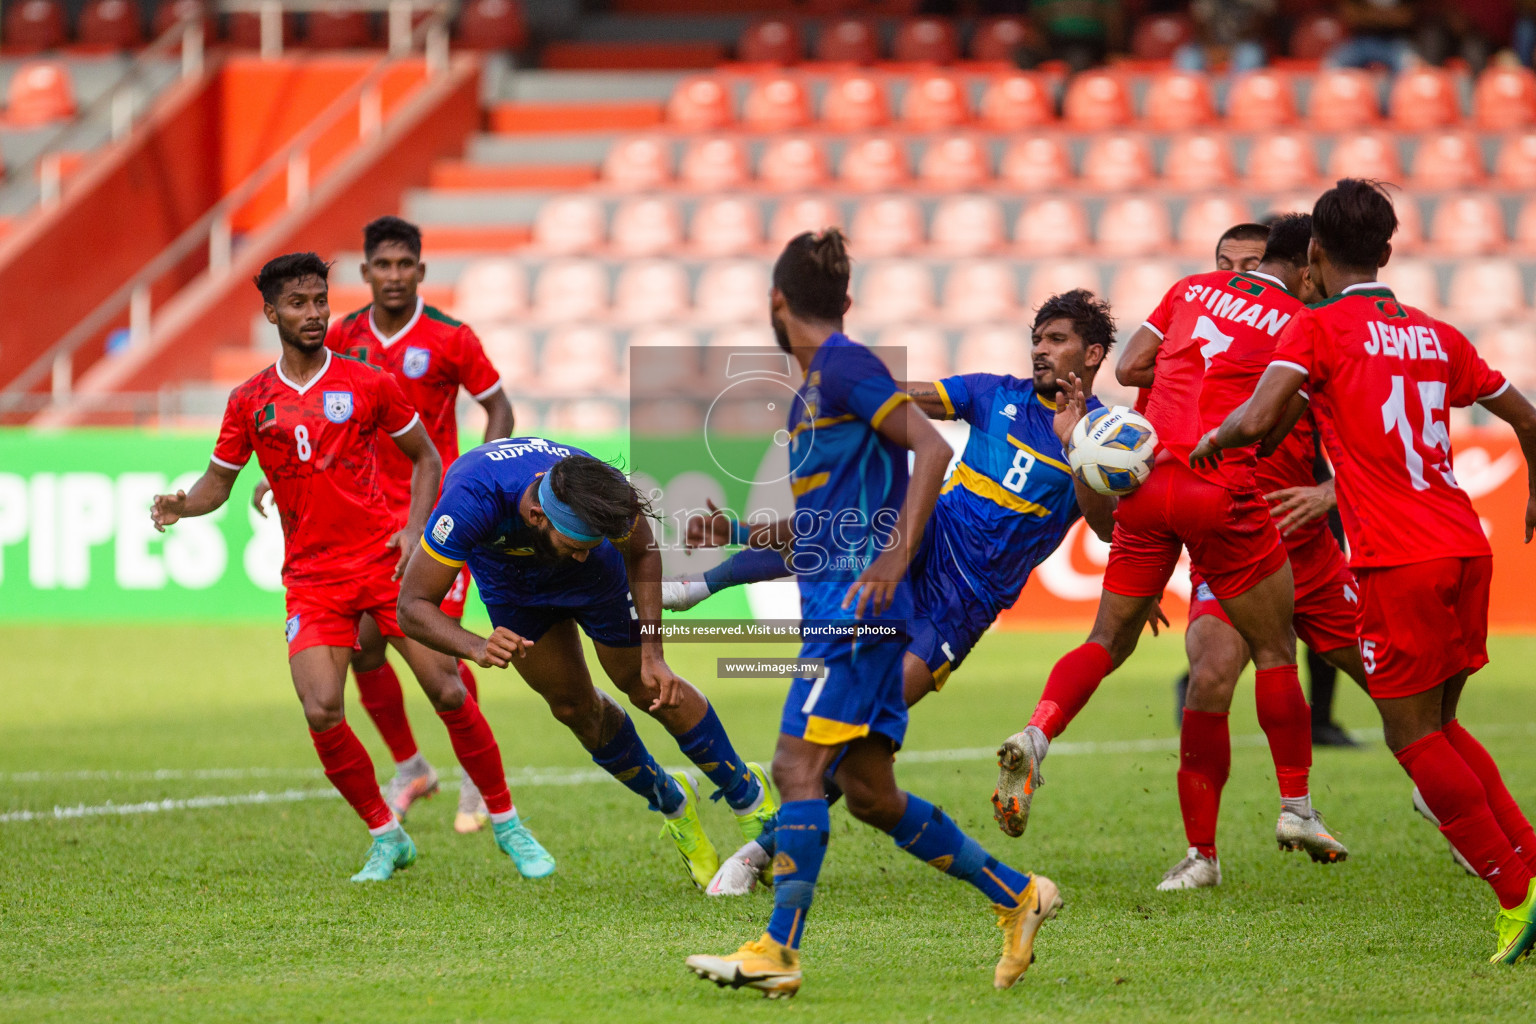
<point x="498" y="649"/>
<point x="709" y="531"/>
<point x="167" y="509"/>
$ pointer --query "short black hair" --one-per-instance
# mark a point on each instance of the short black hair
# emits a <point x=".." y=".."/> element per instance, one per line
<point x="599" y="493"/>
<point x="1242" y="233"/>
<point x="391" y="229"/>
<point x="1090" y="316"/>
<point x="1289" y="234"/>
<point x="289" y="267"/>
<point x="1354" y="222"/>
<point x="812" y="274"/>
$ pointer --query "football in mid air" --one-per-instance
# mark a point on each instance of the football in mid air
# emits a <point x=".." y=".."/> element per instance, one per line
<point x="1112" y="449"/>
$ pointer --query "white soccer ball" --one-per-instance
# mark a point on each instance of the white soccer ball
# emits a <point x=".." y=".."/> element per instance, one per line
<point x="1112" y="450"/>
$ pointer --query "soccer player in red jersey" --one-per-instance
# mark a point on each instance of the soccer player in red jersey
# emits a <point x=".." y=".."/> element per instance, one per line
<point x="312" y="421"/>
<point x="1380" y="376"/>
<point x="1207" y="341"/>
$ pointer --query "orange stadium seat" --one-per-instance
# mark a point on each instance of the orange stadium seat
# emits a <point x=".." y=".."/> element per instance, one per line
<point x="570" y="289"/>
<point x="1296" y="202"/>
<point x="1118" y="161"/>
<point x="1156" y="36"/>
<point x="1259" y="101"/>
<point x="1450" y="160"/>
<point x="1508" y="349"/>
<point x="855" y="103"/>
<point x="1504" y="99"/>
<point x="771" y="41"/>
<point x="1485" y="291"/>
<point x="887" y="226"/>
<point x="492" y="25"/>
<point x="873" y="164"/>
<point x="35" y="25"/>
<point x="777" y="104"/>
<point x="338" y="29"/>
<point x="578" y="361"/>
<point x="1051" y="227"/>
<point x="1282" y="160"/>
<point x="1467" y="225"/>
<point x="570" y="224"/>
<point x="1138" y="288"/>
<point x="491" y="291"/>
<point x="745" y="335"/>
<point x="1096" y="101"/>
<point x="805" y="213"/>
<point x="1206" y="219"/>
<point x="732" y="291"/>
<point x="926" y="40"/>
<point x="1016" y="102"/>
<point x="700" y="105"/>
<point x="995" y="348"/>
<point x="914" y="352"/>
<point x="727" y="226"/>
<point x="1410" y="221"/>
<point x="968" y="226"/>
<point x="1422" y="98"/>
<point x="1179" y="100"/>
<point x="111" y="25"/>
<point x="639" y="163"/>
<point x="793" y="163"/>
<point x="663" y="336"/>
<point x="1342" y="100"/>
<point x="1198" y="161"/>
<point x="646" y="226"/>
<point x="1134" y="226"/>
<point x="895" y="291"/>
<point x="934" y="102"/>
<point x="1515" y="166"/>
<point x="1525" y="228"/>
<point x="981" y="291"/>
<point x="1315" y="35"/>
<point x="1052" y="277"/>
<point x="510" y="350"/>
<point x="586" y="416"/>
<point x="1413" y="281"/>
<point x="650" y="291"/>
<point x="848" y="41"/>
<point x="714" y="164"/>
<point x="957" y="163"/>
<point x="1035" y="163"/>
<point x="244" y="29"/>
<point x="39" y="92"/>
<point x="1371" y="155"/>
<point x="1000" y="38"/>
<point x="170" y="11"/>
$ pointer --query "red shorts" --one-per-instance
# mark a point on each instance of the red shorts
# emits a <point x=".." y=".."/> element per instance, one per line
<point x="1232" y="541"/>
<point x="453" y="604"/>
<point x="1422" y="623"/>
<point x="1327" y="607"/>
<point x="326" y="615"/>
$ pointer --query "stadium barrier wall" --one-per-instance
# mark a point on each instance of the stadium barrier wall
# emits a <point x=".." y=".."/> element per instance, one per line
<point x="76" y="543"/>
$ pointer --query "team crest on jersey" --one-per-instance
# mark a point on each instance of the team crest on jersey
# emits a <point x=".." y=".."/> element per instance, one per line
<point x="266" y="416"/>
<point x="338" y="406"/>
<point x="291" y="628"/>
<point x="416" y="362"/>
<point x="359" y="352"/>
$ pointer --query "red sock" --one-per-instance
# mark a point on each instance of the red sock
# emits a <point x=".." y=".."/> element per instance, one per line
<point x="1205" y="761"/>
<point x="1452" y="790"/>
<point x="1287" y="722"/>
<point x="1071" y="682"/>
<point x="348" y="767"/>
<point x="1516" y="826"/>
<point x="475" y="746"/>
<point x="379" y="692"/>
<point x="470" y="682"/>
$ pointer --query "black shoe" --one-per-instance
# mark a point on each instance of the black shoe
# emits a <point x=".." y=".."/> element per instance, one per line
<point x="1180" y="691"/>
<point x="1331" y="734"/>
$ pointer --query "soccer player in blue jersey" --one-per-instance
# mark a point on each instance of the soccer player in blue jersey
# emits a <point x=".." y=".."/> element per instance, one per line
<point x="858" y="521"/>
<point x="558" y="539"/>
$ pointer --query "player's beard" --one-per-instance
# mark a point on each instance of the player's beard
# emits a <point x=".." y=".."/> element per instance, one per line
<point x="302" y="343"/>
<point x="544" y="550"/>
<point x="1045" y="381"/>
<point x="781" y="334"/>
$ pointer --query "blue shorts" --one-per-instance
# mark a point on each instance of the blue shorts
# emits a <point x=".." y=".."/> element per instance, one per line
<point x="612" y="622"/>
<point x="861" y="694"/>
<point x="947" y="618"/>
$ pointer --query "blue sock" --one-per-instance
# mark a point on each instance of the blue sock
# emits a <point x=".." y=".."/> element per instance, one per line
<point x="749" y="565"/>
<point x="802" y="835"/>
<point x="707" y="746"/>
<point x="929" y="834"/>
<point x="626" y="759"/>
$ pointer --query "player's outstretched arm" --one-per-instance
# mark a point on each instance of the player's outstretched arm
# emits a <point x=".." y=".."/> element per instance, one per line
<point x="498" y="415"/>
<point x="1295" y="409"/>
<point x="642" y="561"/>
<point x="1515" y="409"/>
<point x="716" y="528"/>
<point x="1254" y="419"/>
<point x="426" y="478"/>
<point x="925" y="394"/>
<point x="421" y="616"/>
<point x="1138" y="360"/>
<point x="210" y="492"/>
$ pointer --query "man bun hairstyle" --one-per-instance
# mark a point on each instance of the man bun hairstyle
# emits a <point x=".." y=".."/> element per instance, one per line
<point x="1289" y="235"/>
<point x="289" y="267"/>
<point x="599" y="494"/>
<point x="391" y="229"/>
<point x="1354" y="222"/>
<point x="1089" y="314"/>
<point x="812" y="274"/>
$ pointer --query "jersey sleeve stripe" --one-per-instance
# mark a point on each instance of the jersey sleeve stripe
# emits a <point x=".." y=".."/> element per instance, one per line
<point x="1294" y="366"/>
<point x="236" y="466"/>
<point x="1503" y="388"/>
<point x="949" y="405"/>
<point x="887" y="407"/>
<point x="415" y="419"/>
<point x="455" y="562"/>
<point x="488" y="392"/>
<point x="1154" y="330"/>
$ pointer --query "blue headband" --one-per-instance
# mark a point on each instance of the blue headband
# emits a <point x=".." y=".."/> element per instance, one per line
<point x="562" y="516"/>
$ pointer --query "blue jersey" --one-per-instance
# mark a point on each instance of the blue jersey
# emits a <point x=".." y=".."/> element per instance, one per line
<point x="1010" y="500"/>
<point x="848" y="481"/>
<point x="477" y="521"/>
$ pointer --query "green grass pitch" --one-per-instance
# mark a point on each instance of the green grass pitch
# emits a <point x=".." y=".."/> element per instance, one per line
<point x="243" y="912"/>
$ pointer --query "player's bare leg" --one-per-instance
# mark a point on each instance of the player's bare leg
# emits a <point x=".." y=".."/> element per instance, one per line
<point x="1072" y="682"/>
<point x="379" y="692"/>
<point x="471" y="815"/>
<point x="917" y="681"/>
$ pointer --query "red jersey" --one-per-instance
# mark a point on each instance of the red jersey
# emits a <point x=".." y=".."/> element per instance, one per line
<point x="316" y="444"/>
<point x="431" y="357"/>
<point x="1218" y="332"/>
<point x="1381" y="376"/>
